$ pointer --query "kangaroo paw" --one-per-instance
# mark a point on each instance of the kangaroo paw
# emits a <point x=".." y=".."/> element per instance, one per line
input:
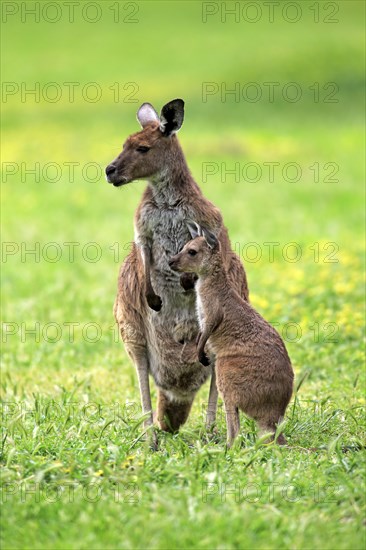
<point x="203" y="359"/>
<point x="154" y="302"/>
<point x="187" y="280"/>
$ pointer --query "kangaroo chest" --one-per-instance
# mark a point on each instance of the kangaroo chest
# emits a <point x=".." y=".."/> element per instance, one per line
<point x="199" y="306"/>
<point x="171" y="332"/>
<point x="163" y="229"/>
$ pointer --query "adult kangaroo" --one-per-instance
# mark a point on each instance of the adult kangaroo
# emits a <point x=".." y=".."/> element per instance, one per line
<point x="155" y="307"/>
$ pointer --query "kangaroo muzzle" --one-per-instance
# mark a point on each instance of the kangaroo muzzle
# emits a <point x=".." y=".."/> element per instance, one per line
<point x="174" y="263"/>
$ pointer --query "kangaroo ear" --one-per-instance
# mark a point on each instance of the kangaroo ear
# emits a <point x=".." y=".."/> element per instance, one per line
<point x="171" y="117"/>
<point x="146" y="114"/>
<point x="210" y="238"/>
<point x="194" y="229"/>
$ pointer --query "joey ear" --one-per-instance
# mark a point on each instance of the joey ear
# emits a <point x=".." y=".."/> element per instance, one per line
<point x="210" y="238"/>
<point x="171" y="117"/>
<point x="146" y="114"/>
<point x="194" y="229"/>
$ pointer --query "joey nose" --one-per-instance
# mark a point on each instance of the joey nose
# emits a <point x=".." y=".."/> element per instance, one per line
<point x="172" y="263"/>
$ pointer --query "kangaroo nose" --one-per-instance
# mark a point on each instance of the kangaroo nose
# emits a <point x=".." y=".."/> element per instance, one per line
<point x="110" y="169"/>
<point x="171" y="263"/>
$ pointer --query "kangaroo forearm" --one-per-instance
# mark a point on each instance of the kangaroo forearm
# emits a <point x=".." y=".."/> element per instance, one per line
<point x="148" y="285"/>
<point x="203" y="340"/>
<point x="210" y="325"/>
<point x="148" y="260"/>
<point x="153" y="300"/>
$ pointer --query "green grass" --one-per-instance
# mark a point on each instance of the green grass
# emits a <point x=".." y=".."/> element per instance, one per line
<point x="76" y="471"/>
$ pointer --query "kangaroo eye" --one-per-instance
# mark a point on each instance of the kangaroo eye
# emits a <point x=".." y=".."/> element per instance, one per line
<point x="143" y="149"/>
<point x="192" y="252"/>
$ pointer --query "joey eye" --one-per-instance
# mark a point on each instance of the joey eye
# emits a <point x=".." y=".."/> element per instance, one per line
<point x="143" y="149"/>
<point x="192" y="252"/>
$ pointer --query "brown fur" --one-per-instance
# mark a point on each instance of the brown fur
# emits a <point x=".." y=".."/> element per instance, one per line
<point x="253" y="369"/>
<point x="155" y="313"/>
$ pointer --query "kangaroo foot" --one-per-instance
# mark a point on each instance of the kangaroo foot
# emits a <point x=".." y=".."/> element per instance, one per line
<point x="153" y="441"/>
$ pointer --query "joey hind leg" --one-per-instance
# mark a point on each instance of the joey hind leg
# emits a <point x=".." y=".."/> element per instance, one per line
<point x="232" y="422"/>
<point x="212" y="402"/>
<point x="269" y="425"/>
<point x="170" y="415"/>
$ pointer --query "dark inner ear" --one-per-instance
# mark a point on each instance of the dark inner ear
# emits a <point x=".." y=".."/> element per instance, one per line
<point x="210" y="237"/>
<point x="193" y="228"/>
<point x="172" y="115"/>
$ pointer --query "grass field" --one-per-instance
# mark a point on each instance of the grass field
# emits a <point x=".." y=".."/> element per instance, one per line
<point x="76" y="471"/>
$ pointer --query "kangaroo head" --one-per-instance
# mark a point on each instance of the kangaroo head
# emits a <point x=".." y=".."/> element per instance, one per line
<point x="147" y="153"/>
<point x="198" y="254"/>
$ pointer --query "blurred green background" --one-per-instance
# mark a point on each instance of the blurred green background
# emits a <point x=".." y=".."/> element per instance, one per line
<point x="156" y="51"/>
